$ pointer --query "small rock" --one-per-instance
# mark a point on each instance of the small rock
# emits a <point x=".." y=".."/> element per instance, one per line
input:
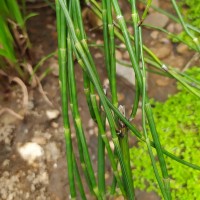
<point x="126" y="55"/>
<point x="54" y="125"/>
<point x="130" y="29"/>
<point x="122" y="45"/>
<point x="178" y="28"/>
<point x="162" y="51"/>
<point x="182" y="48"/>
<point x="30" y="151"/>
<point x="93" y="35"/>
<point x="162" y="82"/>
<point x="154" y="34"/>
<point x="98" y="55"/>
<point x="107" y="176"/>
<point x="106" y="83"/>
<point x="120" y="96"/>
<point x="99" y="42"/>
<point x="52" y="114"/>
<point x="91" y="123"/>
<point x="126" y="72"/>
<point x="157" y="19"/>
<point x="165" y="41"/>
<point x="118" y="54"/>
<point x="119" y="198"/>
<point x="171" y="27"/>
<point x="91" y="132"/>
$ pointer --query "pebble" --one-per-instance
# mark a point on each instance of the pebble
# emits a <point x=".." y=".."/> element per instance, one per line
<point x="30" y="151"/>
<point x="126" y="55"/>
<point x="126" y="72"/>
<point x="99" y="42"/>
<point x="107" y="175"/>
<point x="178" y="28"/>
<point x="54" y="125"/>
<point x="91" y="132"/>
<point x="52" y="114"/>
<point x="182" y="48"/>
<point x="156" y="19"/>
<point x="171" y="28"/>
<point x="162" y="51"/>
<point x="162" y="82"/>
<point x="118" y="54"/>
<point x="106" y="83"/>
<point x="154" y="34"/>
<point x="91" y="123"/>
<point x="122" y="45"/>
<point x="130" y="29"/>
<point x="165" y="41"/>
<point x="98" y="55"/>
<point x="120" y="96"/>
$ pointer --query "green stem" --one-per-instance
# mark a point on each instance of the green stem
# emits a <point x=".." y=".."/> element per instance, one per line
<point x="160" y="183"/>
<point x="77" y="120"/>
<point x="64" y="93"/>
<point x="194" y="39"/>
<point x="78" y="179"/>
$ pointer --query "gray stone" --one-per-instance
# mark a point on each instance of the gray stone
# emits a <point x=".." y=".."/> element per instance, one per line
<point x="126" y="72"/>
<point x="157" y="19"/>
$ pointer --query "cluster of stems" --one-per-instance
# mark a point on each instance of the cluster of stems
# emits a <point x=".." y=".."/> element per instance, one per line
<point x="72" y="42"/>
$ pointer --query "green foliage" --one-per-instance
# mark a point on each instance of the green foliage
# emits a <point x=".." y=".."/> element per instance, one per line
<point x="14" y="41"/>
<point x="184" y="37"/>
<point x="9" y="10"/>
<point x="178" y="125"/>
<point x="192" y="11"/>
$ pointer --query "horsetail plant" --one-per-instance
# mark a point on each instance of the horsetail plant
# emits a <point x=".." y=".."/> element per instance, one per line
<point x="64" y="91"/>
<point x="72" y="42"/>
